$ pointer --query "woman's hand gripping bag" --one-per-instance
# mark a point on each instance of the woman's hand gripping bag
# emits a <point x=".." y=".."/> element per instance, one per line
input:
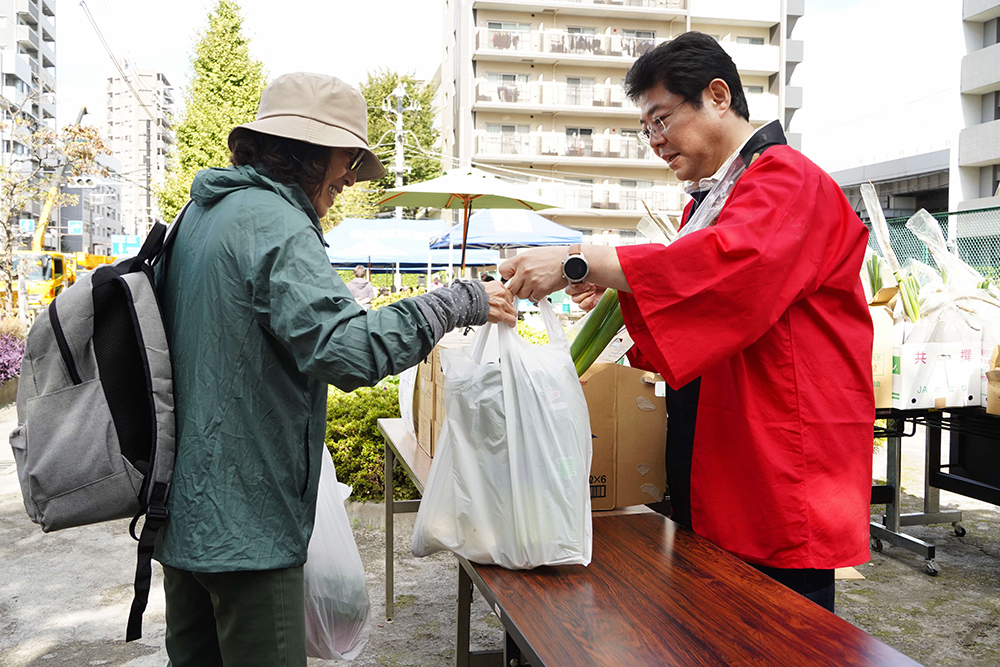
<point x="337" y="607"/>
<point x="510" y="481"/>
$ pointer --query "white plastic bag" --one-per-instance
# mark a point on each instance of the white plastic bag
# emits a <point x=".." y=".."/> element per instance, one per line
<point x="510" y="480"/>
<point x="337" y="606"/>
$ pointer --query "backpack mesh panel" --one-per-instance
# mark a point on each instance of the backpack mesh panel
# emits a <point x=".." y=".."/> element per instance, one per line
<point x="121" y="366"/>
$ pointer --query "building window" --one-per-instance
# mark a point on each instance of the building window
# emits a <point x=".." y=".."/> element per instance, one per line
<point x="580" y="141"/>
<point x="509" y="26"/>
<point x="996" y="180"/>
<point x="579" y="193"/>
<point x="753" y="90"/>
<point x="579" y="90"/>
<point x="752" y="41"/>
<point x="576" y="30"/>
<point x="507" y="139"/>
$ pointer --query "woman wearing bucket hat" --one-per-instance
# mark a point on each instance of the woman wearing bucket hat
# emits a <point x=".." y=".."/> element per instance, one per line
<point x="259" y="324"/>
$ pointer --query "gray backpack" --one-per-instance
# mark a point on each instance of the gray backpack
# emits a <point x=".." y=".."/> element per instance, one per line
<point x="95" y="408"/>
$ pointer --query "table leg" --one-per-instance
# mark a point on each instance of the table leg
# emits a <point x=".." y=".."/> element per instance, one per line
<point x="464" y="621"/>
<point x="390" y="462"/>
<point x="511" y="652"/>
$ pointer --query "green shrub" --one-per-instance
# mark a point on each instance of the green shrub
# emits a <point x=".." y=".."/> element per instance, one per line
<point x="384" y="279"/>
<point x="353" y="438"/>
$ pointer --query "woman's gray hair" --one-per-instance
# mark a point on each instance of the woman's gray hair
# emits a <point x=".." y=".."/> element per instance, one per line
<point x="359" y="271"/>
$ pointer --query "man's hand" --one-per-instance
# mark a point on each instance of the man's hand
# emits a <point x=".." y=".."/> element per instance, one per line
<point x="536" y="273"/>
<point x="586" y="295"/>
<point x="501" y="304"/>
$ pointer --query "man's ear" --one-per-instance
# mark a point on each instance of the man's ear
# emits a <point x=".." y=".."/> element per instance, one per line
<point x="718" y="96"/>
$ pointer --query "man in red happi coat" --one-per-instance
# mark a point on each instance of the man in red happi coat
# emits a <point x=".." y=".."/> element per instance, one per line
<point x="756" y="318"/>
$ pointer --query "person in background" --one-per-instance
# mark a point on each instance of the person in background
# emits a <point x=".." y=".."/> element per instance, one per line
<point x="259" y="324"/>
<point x="361" y="289"/>
<point x="757" y="320"/>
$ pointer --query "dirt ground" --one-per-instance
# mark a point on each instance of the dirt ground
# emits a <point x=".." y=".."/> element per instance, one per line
<point x="64" y="597"/>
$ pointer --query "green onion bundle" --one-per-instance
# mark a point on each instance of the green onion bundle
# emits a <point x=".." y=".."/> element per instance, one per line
<point x="908" y="286"/>
<point x="874" y="266"/>
<point x="604" y="323"/>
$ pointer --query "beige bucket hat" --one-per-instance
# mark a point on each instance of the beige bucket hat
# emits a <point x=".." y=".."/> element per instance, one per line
<point x="318" y="109"/>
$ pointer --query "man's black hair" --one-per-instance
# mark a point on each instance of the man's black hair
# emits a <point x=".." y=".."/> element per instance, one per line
<point x="685" y="66"/>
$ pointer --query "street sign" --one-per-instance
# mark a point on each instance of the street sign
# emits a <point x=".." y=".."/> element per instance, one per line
<point x="125" y="245"/>
<point x="27" y="226"/>
<point x="74" y="227"/>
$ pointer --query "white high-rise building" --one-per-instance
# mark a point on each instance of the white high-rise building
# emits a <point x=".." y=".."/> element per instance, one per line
<point x="533" y="91"/>
<point x="139" y="136"/>
<point x="975" y="178"/>
<point x="28" y="66"/>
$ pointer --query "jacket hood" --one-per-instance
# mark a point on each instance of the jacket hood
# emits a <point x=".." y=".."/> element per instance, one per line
<point x="361" y="282"/>
<point x="211" y="185"/>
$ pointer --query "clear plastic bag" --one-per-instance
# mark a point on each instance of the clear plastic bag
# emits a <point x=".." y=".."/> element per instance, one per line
<point x="510" y="480"/>
<point x="338" y="611"/>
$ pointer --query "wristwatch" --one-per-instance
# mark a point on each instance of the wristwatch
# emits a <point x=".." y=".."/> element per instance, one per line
<point x="575" y="268"/>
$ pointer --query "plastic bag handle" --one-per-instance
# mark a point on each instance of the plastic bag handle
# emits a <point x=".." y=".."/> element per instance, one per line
<point x="479" y="345"/>
<point x="552" y="325"/>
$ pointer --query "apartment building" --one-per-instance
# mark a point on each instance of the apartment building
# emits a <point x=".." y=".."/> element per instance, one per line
<point x="532" y="91"/>
<point x="139" y="136"/>
<point x="975" y="181"/>
<point x="28" y="65"/>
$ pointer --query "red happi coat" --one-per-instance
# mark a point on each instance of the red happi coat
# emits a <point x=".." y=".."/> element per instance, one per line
<point x="768" y="309"/>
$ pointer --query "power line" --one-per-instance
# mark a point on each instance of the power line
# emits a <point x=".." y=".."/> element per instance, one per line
<point x="107" y="47"/>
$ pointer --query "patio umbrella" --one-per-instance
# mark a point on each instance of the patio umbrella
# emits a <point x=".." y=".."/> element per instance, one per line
<point x="465" y="189"/>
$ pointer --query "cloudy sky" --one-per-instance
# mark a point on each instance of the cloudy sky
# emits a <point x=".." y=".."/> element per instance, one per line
<point x="880" y="77"/>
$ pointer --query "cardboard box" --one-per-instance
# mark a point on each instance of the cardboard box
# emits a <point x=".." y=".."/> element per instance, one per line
<point x="436" y="435"/>
<point x="629" y="424"/>
<point x="425" y="369"/>
<point x="439" y="413"/>
<point x="882" y="346"/>
<point x="425" y="434"/>
<point x="993" y="380"/>
<point x="425" y="390"/>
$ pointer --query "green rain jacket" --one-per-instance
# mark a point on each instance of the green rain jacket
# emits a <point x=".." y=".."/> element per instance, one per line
<point x="259" y="323"/>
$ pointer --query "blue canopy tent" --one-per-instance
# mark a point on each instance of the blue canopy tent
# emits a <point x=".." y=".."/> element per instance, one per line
<point x="393" y="244"/>
<point x="508" y="228"/>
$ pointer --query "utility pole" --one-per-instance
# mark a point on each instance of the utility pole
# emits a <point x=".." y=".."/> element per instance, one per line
<point x="399" y="165"/>
<point x="149" y="167"/>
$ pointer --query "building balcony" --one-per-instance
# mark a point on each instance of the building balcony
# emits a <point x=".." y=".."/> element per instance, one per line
<point x="554" y="46"/>
<point x="979" y="11"/>
<point x="18" y="65"/>
<point x="759" y="13"/>
<point x="979" y="145"/>
<point x="613" y="197"/>
<point x="557" y="148"/>
<point x="793" y="97"/>
<point x="609" y="198"/>
<point x="795" y="8"/>
<point x="640" y="9"/>
<point x="553" y="97"/>
<point x="27" y="8"/>
<point x="981" y="71"/>
<point x="753" y="59"/>
<point x="27" y="37"/>
<point x="794" y="51"/>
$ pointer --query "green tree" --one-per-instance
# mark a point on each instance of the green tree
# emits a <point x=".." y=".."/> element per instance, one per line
<point x="223" y="93"/>
<point x="421" y="136"/>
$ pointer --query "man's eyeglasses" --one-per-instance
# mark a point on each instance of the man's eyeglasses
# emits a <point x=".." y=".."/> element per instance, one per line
<point x="357" y="160"/>
<point x="656" y="126"/>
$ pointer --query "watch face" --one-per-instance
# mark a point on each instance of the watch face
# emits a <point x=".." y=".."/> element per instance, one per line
<point x="575" y="267"/>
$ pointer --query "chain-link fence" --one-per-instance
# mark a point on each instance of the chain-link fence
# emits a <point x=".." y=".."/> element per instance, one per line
<point x="978" y="233"/>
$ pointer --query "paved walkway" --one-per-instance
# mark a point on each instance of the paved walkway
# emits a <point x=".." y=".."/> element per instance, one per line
<point x="65" y="596"/>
